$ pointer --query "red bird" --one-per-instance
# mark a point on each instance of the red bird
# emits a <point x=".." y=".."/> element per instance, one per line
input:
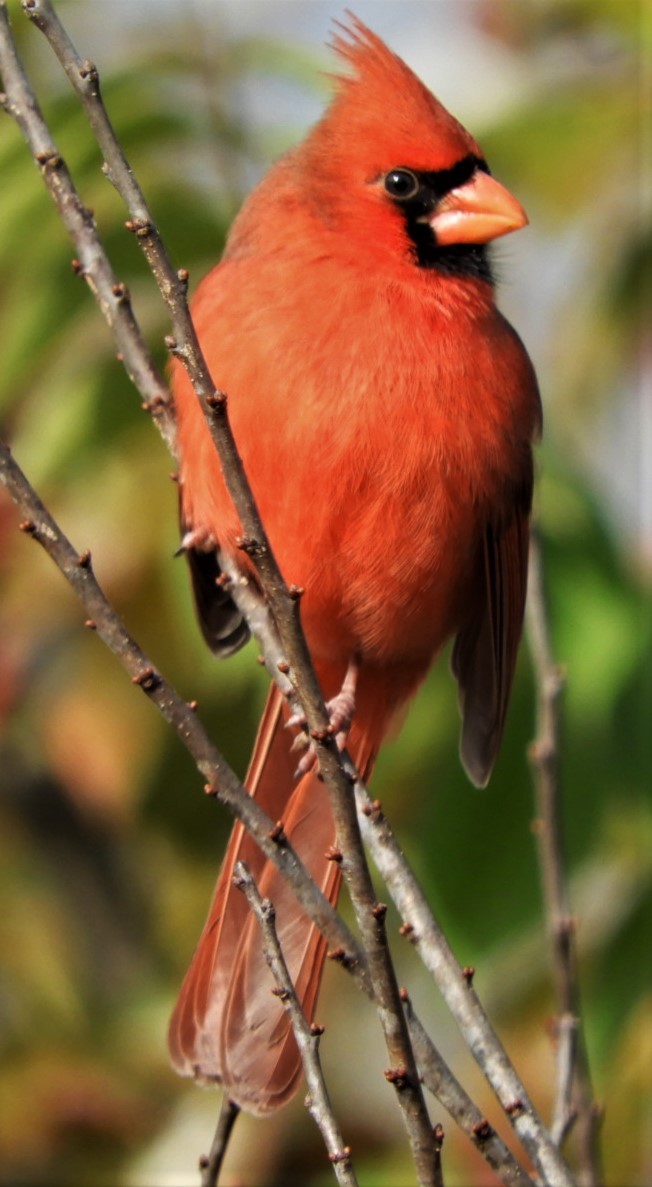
<point x="384" y="410"/>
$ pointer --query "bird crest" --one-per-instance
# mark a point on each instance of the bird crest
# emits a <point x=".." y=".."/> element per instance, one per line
<point x="386" y="109"/>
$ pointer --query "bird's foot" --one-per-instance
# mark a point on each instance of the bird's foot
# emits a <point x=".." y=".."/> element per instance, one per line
<point x="196" y="540"/>
<point x="341" y="711"/>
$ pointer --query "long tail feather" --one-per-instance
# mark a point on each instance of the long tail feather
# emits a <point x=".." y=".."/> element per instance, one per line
<point x="227" y="1026"/>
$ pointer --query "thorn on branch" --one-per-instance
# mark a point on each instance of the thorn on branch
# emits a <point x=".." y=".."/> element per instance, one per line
<point x="193" y="706"/>
<point x="482" y="1131"/>
<point x="468" y="972"/>
<point x="49" y="159"/>
<point x="90" y="624"/>
<point x="316" y="1029"/>
<point x="514" y="1108"/>
<point x="407" y="931"/>
<point x="183" y="276"/>
<point x="339" y="956"/>
<point x="398" y="1076"/>
<point x="277" y="833"/>
<point x="120" y="292"/>
<point x="140" y="227"/>
<point x="28" y="526"/>
<point x="333" y="854"/>
<point x="216" y="401"/>
<point x="77" y="267"/>
<point x="153" y="406"/>
<point x="404" y="995"/>
<point x="373" y="810"/>
<point x="84" y="559"/>
<point x="379" y="911"/>
<point x="148" y="680"/>
<point x="296" y="592"/>
<point x="438" y="1136"/>
<point x="210" y="790"/>
<point x="250" y="546"/>
<point x="283" y="666"/>
<point x="89" y="72"/>
<point x="342" y="1155"/>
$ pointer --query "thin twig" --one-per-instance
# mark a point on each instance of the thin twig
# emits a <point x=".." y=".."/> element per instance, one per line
<point x="22" y="104"/>
<point x="439" y="1080"/>
<point x="210" y="1164"/>
<point x="112" y="295"/>
<point x="102" y="619"/>
<point x="183" y="343"/>
<point x="455" y="985"/>
<point x="575" y="1104"/>
<point x="310" y="706"/>
<point x="439" y="1141"/>
<point x="307" y="1037"/>
<point x="283" y="602"/>
<point x="221" y="781"/>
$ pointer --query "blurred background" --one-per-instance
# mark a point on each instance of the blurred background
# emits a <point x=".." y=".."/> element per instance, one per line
<point x="108" y="849"/>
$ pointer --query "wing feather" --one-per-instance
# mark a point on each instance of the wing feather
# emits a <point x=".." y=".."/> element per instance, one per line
<point x="484" y="655"/>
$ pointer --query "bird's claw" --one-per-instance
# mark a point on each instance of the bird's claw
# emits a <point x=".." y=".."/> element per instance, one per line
<point x="340" y="709"/>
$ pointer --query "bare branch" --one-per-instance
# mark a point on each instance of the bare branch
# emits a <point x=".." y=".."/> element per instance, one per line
<point x="575" y="1104"/>
<point x="283" y="602"/>
<point x="210" y="1164"/>
<point x="455" y="985"/>
<point x="439" y="1141"/>
<point x="77" y="569"/>
<point x="184" y="344"/>
<point x="221" y="781"/>
<point x="24" y="108"/>
<point x="111" y="294"/>
<point x="439" y="1080"/>
<point x="307" y="1037"/>
<point x="291" y="651"/>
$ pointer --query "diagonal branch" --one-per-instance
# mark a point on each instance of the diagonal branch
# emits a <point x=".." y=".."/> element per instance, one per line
<point x="283" y="603"/>
<point x="307" y="1036"/>
<point x="113" y="299"/>
<point x="455" y="985"/>
<point x="221" y="781"/>
<point x="77" y="569"/>
<point x="210" y="1164"/>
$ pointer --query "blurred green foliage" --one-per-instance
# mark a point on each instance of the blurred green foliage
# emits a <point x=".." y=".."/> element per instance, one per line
<point x="108" y="850"/>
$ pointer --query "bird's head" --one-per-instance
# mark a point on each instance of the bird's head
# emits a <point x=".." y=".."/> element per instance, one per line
<point x="390" y="167"/>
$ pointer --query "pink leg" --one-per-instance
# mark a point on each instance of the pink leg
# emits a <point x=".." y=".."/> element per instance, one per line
<point x="341" y="710"/>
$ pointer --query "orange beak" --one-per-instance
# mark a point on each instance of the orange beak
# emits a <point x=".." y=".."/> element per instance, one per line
<point x="480" y="210"/>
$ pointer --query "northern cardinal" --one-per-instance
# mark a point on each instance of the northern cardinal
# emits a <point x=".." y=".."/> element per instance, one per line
<point x="384" y="410"/>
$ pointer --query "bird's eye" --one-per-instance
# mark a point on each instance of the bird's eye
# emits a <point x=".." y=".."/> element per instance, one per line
<point x="402" y="184"/>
